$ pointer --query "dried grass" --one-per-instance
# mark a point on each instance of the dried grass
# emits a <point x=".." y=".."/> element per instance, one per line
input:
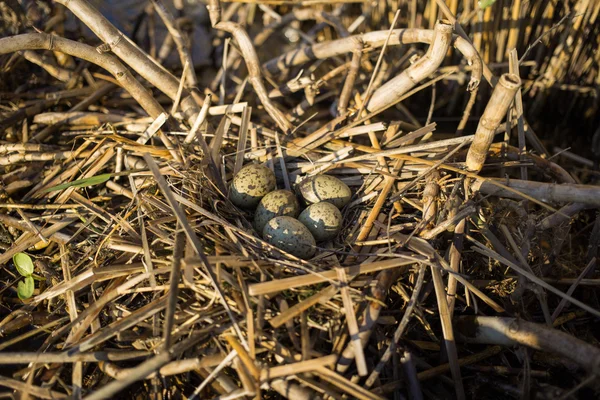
<point x="463" y="266"/>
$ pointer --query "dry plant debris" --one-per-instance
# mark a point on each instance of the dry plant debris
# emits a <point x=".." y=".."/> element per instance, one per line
<point x="466" y="264"/>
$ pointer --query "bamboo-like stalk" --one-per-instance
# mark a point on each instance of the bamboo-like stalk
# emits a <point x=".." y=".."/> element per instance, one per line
<point x="304" y="305"/>
<point x="393" y="90"/>
<point x="131" y="54"/>
<point x="292" y="390"/>
<point x="8" y="358"/>
<point x="252" y="62"/>
<point x="513" y="331"/>
<point x="494" y="113"/>
<point x="548" y="192"/>
<point x="296" y="368"/>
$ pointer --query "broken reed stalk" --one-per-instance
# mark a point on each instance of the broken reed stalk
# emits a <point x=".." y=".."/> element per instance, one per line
<point x="392" y="91"/>
<point x="448" y="332"/>
<point x="494" y="113"/>
<point x="513" y="331"/>
<point x="252" y="62"/>
<point x="131" y="54"/>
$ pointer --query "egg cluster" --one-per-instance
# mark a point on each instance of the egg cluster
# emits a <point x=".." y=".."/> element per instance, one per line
<point x="277" y="213"/>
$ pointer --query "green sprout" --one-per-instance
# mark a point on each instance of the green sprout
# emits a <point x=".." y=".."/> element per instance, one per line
<point x="24" y="265"/>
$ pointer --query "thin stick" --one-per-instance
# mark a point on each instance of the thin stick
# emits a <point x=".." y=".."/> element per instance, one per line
<point x="297" y="368"/>
<point x="200" y="119"/>
<point x="294" y="311"/>
<point x="173" y="288"/>
<point x="572" y="288"/>
<point x="518" y="108"/>
<point x="146" y="368"/>
<point x="448" y="332"/>
<point x="347" y="386"/>
<point x="359" y="355"/>
<point x="42" y="41"/>
<point x="252" y="62"/>
<point x="350" y="79"/>
<point x="182" y="47"/>
<point x="244" y="356"/>
<point x="126" y="50"/>
<point x="8" y="358"/>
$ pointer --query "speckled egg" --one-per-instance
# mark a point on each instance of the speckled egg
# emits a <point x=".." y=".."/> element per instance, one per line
<point x="323" y="220"/>
<point x="274" y="204"/>
<point x="250" y="185"/>
<point x="290" y="235"/>
<point x="325" y="188"/>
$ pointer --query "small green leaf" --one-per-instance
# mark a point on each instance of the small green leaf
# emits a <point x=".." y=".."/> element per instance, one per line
<point x="93" y="180"/>
<point x="483" y="4"/>
<point x="23" y="263"/>
<point x="25" y="288"/>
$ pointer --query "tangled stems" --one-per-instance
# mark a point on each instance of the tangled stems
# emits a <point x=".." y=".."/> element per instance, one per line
<point x="43" y="41"/>
<point x="252" y="63"/>
<point x="131" y="54"/>
<point x="375" y="40"/>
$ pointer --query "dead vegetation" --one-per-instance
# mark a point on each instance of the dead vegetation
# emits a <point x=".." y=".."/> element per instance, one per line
<point x="466" y="267"/>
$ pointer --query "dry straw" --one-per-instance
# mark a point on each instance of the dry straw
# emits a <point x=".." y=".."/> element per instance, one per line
<point x="150" y="283"/>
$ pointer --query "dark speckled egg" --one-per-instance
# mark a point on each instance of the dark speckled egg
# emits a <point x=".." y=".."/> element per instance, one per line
<point x="288" y="234"/>
<point x="322" y="219"/>
<point x="325" y="188"/>
<point x="274" y="204"/>
<point x="250" y="185"/>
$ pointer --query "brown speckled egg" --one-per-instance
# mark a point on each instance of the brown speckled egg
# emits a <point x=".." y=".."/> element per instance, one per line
<point x="325" y="188"/>
<point x="322" y="219"/>
<point x="274" y="204"/>
<point x="288" y="234"/>
<point x="250" y="185"/>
